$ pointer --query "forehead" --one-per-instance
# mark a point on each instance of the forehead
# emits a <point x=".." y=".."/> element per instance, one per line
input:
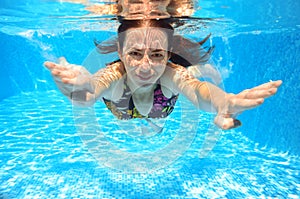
<point x="146" y="38"/>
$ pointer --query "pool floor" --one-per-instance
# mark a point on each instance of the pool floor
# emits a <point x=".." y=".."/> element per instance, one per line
<point x="42" y="156"/>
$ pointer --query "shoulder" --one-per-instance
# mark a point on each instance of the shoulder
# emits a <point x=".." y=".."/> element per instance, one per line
<point x="112" y="72"/>
<point x="112" y="76"/>
<point x="116" y="68"/>
<point x="173" y="76"/>
<point x="177" y="73"/>
<point x="178" y="78"/>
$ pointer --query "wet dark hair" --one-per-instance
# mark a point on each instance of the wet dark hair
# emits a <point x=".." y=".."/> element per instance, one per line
<point x="164" y="24"/>
<point x="182" y="50"/>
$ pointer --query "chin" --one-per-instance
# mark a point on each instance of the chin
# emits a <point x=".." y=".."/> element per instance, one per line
<point x="146" y="83"/>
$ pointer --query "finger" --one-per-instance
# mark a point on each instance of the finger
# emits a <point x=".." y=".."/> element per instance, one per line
<point x="53" y="66"/>
<point x="57" y="72"/>
<point x="254" y="94"/>
<point x="49" y="65"/>
<point x="226" y="123"/>
<point x="65" y="73"/>
<point x="240" y="104"/>
<point x="268" y="85"/>
<point x="72" y="81"/>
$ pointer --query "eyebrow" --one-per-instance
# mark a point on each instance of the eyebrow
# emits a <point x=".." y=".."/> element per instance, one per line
<point x="157" y="50"/>
<point x="152" y="49"/>
<point x="134" y="48"/>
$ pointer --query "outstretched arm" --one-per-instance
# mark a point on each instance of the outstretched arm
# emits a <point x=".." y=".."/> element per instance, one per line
<point x="70" y="78"/>
<point x="209" y="97"/>
<point x="79" y="85"/>
<point x="228" y="106"/>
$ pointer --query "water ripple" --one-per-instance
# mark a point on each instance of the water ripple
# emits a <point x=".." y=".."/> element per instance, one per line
<point x="41" y="155"/>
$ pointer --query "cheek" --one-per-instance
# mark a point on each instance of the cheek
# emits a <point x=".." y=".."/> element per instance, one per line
<point x="130" y="62"/>
<point x="159" y="68"/>
<point x="131" y="66"/>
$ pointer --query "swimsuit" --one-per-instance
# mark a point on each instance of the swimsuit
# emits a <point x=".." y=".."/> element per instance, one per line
<point x="125" y="109"/>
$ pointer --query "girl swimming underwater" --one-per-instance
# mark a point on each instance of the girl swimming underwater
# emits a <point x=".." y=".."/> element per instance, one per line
<point x="145" y="83"/>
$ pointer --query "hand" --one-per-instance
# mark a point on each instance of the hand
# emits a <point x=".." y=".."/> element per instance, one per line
<point x="71" y="79"/>
<point x="247" y="99"/>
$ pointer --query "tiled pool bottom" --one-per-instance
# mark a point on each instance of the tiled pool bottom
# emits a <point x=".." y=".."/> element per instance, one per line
<point x="41" y="156"/>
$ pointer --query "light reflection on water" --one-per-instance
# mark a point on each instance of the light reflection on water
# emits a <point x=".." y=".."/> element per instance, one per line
<point x="41" y="154"/>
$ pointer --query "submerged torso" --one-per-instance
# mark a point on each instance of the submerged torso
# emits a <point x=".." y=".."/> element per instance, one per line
<point x="124" y="108"/>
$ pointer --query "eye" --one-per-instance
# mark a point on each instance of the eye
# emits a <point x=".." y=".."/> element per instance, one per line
<point x="157" y="56"/>
<point x="135" y="54"/>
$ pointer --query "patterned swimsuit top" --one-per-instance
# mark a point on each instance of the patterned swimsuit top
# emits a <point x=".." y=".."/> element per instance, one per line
<point x="125" y="109"/>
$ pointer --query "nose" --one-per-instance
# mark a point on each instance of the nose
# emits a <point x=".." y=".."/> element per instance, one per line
<point x="145" y="64"/>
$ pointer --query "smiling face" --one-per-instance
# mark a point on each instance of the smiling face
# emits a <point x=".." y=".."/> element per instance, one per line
<point x="145" y="55"/>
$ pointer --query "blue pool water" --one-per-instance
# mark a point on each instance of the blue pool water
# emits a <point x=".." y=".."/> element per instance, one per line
<point x="49" y="149"/>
